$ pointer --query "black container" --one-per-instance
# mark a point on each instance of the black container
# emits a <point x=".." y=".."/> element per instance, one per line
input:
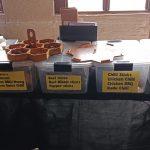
<point x="78" y="33"/>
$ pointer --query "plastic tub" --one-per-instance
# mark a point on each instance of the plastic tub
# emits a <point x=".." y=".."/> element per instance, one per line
<point x="54" y="48"/>
<point x="56" y="78"/>
<point x="19" y="54"/>
<point x="39" y="54"/>
<point x="15" y="46"/>
<point x="124" y="81"/>
<point x="46" y="41"/>
<point x="17" y="77"/>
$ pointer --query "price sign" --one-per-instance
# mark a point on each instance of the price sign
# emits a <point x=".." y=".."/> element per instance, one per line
<point x="12" y="81"/>
<point x="120" y="81"/>
<point x="63" y="82"/>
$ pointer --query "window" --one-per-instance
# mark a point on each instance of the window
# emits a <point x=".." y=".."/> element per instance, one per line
<point x="104" y="5"/>
<point x="86" y="5"/>
<point x="127" y="5"/>
<point x="1" y="7"/>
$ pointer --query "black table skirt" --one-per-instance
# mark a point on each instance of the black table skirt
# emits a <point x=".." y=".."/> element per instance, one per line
<point x="74" y="124"/>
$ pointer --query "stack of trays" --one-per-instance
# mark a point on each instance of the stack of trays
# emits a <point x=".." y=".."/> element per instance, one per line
<point x="25" y="51"/>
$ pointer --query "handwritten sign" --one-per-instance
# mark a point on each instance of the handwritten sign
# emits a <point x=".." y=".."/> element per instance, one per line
<point x="120" y="81"/>
<point x="12" y="81"/>
<point x="63" y="82"/>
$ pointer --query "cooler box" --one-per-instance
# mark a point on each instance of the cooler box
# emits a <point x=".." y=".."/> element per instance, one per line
<point x="17" y="77"/>
<point x="63" y="77"/>
<point x="121" y="78"/>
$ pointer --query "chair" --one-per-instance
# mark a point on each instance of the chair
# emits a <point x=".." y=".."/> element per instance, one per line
<point x="68" y="15"/>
